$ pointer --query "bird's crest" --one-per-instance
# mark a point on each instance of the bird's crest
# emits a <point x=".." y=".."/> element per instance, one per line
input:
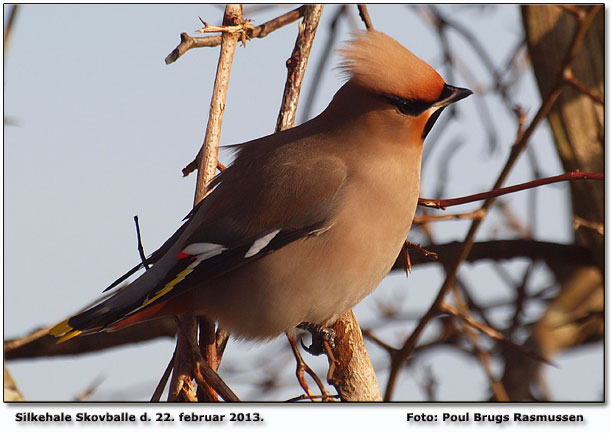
<point x="381" y="64"/>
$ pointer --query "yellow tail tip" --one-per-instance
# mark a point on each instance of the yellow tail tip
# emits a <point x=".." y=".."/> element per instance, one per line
<point x="60" y="329"/>
<point x="63" y="330"/>
<point x="68" y="336"/>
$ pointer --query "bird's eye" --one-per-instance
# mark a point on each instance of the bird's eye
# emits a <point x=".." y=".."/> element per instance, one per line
<point x="409" y="107"/>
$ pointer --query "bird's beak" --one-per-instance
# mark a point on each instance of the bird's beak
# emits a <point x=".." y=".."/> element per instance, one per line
<point x="451" y="94"/>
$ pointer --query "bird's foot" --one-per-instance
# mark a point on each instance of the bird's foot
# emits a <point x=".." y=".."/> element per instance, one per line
<point x="320" y="335"/>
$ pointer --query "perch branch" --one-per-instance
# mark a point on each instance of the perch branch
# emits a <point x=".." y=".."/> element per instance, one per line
<point x="204" y="375"/>
<point x="206" y="171"/>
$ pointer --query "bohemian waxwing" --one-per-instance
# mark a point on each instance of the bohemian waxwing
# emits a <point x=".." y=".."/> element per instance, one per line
<point x="306" y="222"/>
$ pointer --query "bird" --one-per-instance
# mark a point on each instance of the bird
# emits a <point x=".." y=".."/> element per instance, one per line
<point x="305" y="222"/>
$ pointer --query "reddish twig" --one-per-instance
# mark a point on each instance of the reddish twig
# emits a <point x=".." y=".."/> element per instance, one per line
<point x="423" y="219"/>
<point x="573" y="175"/>
<point x="426" y="253"/>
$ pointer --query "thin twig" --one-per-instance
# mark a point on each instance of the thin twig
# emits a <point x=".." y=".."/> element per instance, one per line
<point x="576" y="83"/>
<point x="370" y="336"/>
<point x="164" y="380"/>
<point x="303" y="367"/>
<point x="573" y="175"/>
<point x="364" y="14"/>
<point x="423" y="219"/>
<point x="493" y="333"/>
<point x="484" y="356"/>
<point x="187" y="42"/>
<point x="311" y="397"/>
<point x="426" y="253"/>
<point x="145" y="263"/>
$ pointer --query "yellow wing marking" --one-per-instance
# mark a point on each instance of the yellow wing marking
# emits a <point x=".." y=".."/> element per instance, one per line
<point x="168" y="287"/>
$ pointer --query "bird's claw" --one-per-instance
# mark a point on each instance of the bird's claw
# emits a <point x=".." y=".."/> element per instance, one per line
<point x="320" y="335"/>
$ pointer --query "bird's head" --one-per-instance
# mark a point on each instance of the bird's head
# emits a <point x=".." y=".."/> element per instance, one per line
<point x="404" y="91"/>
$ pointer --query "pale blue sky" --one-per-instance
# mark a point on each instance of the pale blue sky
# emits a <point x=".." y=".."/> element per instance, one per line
<point x="102" y="128"/>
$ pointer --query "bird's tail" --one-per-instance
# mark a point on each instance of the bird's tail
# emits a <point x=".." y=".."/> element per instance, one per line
<point x="131" y="302"/>
<point x="102" y="317"/>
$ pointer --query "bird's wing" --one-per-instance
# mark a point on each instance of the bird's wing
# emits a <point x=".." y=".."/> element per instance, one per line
<point x="213" y="249"/>
<point x="210" y="245"/>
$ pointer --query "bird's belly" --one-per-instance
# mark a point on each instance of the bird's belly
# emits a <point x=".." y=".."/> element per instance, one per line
<point x="311" y="280"/>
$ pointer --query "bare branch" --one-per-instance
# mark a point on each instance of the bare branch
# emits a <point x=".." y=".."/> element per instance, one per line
<point x="296" y="66"/>
<point x="517" y="149"/>
<point x="187" y="42"/>
<point x="573" y="175"/>
<point x="423" y="219"/>
<point x="364" y="14"/>
<point x="204" y="375"/>
<point x="492" y="333"/>
<point x="207" y="165"/>
<point x="303" y="367"/>
<point x="164" y="380"/>
<point x="571" y="79"/>
<point x="140" y="247"/>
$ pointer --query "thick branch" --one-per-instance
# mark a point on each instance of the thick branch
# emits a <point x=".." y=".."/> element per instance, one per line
<point x="354" y="378"/>
<point x="551" y="253"/>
